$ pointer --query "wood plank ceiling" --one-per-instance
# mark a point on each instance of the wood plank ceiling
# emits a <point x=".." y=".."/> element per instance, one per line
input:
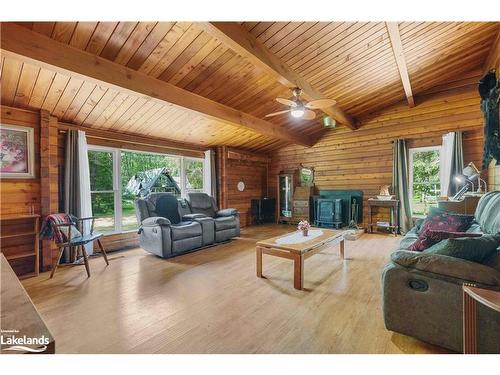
<point x="351" y="62"/>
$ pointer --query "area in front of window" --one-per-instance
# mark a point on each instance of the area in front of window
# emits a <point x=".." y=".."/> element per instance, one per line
<point x="425" y="182"/>
<point x="114" y="171"/>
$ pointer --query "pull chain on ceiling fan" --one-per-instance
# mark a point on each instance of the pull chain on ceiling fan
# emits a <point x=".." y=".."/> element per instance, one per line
<point x="301" y="109"/>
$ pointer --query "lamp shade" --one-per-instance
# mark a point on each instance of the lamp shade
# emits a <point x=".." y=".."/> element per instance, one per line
<point x="471" y="171"/>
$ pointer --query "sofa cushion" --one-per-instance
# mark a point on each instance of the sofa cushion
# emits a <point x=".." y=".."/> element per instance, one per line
<point x="442" y="221"/>
<point x="227" y="212"/>
<point x="190" y="217"/>
<point x="494" y="260"/>
<point x="474" y="249"/>
<point x="432" y="237"/>
<point x="155" y="220"/>
<point x="184" y="230"/>
<point x="165" y="205"/>
<point x="487" y="212"/>
<point x="224" y="222"/>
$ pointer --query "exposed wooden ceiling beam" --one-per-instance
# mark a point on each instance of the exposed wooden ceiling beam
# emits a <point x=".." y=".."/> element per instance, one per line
<point x="493" y="59"/>
<point x="247" y="46"/>
<point x="397" y="49"/>
<point x="26" y="45"/>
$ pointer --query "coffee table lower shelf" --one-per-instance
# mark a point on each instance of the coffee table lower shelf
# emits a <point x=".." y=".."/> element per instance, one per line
<point x="298" y="256"/>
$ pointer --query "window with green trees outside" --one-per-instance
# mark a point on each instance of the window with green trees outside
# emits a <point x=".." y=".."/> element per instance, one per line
<point x="110" y="171"/>
<point x="425" y="184"/>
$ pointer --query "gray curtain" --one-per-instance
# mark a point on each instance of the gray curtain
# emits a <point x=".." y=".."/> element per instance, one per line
<point x="457" y="164"/>
<point x="77" y="181"/>
<point x="400" y="183"/>
<point x="213" y="176"/>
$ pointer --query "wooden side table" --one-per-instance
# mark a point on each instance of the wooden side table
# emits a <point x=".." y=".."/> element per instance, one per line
<point x="471" y="296"/>
<point x="393" y="204"/>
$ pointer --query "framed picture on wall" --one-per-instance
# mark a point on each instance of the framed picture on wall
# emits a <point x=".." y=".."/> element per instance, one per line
<point x="17" y="152"/>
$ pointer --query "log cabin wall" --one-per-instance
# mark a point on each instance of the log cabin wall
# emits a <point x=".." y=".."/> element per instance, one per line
<point x="21" y="196"/>
<point x="362" y="159"/>
<point x="234" y="166"/>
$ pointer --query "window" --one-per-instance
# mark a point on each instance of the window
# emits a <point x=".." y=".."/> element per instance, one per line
<point x="194" y="175"/>
<point x="111" y="170"/>
<point x="133" y="163"/>
<point x="103" y="189"/>
<point x="425" y="185"/>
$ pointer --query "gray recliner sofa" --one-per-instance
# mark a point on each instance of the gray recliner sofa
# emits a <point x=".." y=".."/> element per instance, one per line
<point x="168" y="227"/>
<point x="422" y="293"/>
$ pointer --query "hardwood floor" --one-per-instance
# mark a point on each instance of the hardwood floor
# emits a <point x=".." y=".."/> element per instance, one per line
<point x="212" y="302"/>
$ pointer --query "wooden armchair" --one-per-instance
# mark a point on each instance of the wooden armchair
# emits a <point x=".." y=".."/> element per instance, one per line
<point x="68" y="240"/>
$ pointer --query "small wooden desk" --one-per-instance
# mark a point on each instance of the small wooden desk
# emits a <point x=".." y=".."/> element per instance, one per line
<point x="465" y="206"/>
<point x="393" y="204"/>
<point x="472" y="295"/>
<point x="7" y="224"/>
<point x="18" y="315"/>
<point x="298" y="252"/>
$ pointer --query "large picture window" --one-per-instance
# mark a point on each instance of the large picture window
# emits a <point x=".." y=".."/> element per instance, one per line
<point x="111" y="170"/>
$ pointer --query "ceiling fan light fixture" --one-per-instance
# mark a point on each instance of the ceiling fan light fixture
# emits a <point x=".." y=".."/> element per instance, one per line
<point x="297" y="112"/>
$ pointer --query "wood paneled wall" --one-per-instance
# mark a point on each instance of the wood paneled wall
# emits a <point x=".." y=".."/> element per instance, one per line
<point x="21" y="196"/>
<point x="234" y="166"/>
<point x="362" y="159"/>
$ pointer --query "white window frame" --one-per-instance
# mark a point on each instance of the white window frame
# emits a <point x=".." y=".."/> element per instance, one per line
<point x="117" y="186"/>
<point x="411" y="153"/>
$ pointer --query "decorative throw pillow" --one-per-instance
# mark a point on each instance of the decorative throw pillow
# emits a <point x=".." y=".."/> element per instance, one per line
<point x="474" y="249"/>
<point x="440" y="221"/>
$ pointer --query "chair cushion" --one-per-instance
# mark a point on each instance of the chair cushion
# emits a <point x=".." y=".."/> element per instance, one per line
<point x="185" y="229"/>
<point x="474" y="249"/>
<point x="224" y="222"/>
<point x="85" y="239"/>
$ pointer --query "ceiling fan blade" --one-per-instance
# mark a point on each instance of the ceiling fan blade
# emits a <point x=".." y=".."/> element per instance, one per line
<point x="287" y="102"/>
<point x="309" y="115"/>
<point x="278" y="113"/>
<point x="320" y="103"/>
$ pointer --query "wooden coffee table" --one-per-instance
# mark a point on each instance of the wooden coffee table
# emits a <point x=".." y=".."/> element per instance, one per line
<point x="284" y="246"/>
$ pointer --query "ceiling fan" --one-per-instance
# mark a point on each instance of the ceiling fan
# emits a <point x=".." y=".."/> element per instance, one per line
<point x="300" y="108"/>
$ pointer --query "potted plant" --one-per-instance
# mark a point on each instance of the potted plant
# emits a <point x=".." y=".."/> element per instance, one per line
<point x="304" y="226"/>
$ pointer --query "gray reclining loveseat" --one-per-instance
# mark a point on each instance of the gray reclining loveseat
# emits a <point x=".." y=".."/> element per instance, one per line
<point x="422" y="292"/>
<point x="169" y="226"/>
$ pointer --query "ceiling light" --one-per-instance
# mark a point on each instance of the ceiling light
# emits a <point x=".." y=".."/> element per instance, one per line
<point x="298" y="111"/>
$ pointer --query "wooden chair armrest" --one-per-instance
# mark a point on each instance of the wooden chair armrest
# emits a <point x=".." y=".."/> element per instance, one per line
<point x="81" y="219"/>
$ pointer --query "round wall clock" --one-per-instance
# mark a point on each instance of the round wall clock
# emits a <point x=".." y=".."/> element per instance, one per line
<point x="241" y="186"/>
